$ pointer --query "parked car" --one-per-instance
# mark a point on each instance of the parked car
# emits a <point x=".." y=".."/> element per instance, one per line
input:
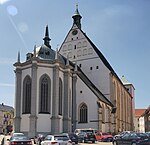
<point x="86" y="134"/>
<point x="120" y="134"/>
<point x="73" y="137"/>
<point x="89" y="136"/>
<point x="20" y="140"/>
<point x="104" y="137"/>
<point x="61" y="139"/>
<point x="148" y="133"/>
<point x="81" y="130"/>
<point x="81" y="137"/>
<point x="133" y="138"/>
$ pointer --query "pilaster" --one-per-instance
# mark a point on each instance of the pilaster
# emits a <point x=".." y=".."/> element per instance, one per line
<point x="17" y="118"/>
<point x="55" y="119"/>
<point x="66" y="120"/>
<point x="100" y="119"/>
<point x="33" y="117"/>
<point x="74" y="100"/>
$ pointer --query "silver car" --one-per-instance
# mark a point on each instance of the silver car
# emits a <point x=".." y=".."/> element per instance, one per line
<point x="60" y="139"/>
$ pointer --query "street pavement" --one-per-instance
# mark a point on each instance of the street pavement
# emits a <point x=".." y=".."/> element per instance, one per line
<point x="97" y="143"/>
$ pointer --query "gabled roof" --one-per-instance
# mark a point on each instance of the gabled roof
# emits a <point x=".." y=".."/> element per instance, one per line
<point x="139" y="112"/>
<point x="93" y="88"/>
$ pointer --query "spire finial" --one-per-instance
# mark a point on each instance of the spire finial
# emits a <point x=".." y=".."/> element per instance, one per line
<point x="77" y="12"/>
<point x="56" y="54"/>
<point x="34" y="51"/>
<point x="46" y="38"/>
<point x="18" y="57"/>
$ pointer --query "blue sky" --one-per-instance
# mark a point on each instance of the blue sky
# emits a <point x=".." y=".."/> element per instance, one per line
<point x="119" y="28"/>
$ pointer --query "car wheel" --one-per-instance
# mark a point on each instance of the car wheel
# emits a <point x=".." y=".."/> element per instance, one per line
<point x="93" y="141"/>
<point x="133" y="143"/>
<point x="115" y="143"/>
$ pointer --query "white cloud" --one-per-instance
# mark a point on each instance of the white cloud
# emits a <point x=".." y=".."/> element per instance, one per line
<point x="3" y="1"/>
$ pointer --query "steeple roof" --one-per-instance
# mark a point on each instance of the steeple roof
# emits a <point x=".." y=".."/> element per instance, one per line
<point x="46" y="38"/>
<point x="77" y="17"/>
<point x="76" y="11"/>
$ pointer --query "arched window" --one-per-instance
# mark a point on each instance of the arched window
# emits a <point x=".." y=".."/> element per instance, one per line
<point x="45" y="94"/>
<point x="26" y="103"/>
<point x="60" y="97"/>
<point x="83" y="113"/>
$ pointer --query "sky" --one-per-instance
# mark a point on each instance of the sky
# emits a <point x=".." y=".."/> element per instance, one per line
<point x="119" y="28"/>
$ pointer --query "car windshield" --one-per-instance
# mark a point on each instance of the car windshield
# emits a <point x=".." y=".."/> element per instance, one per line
<point x="88" y="131"/>
<point x="48" y="137"/>
<point x="141" y="135"/>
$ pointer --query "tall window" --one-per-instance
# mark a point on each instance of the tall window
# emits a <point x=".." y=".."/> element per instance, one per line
<point x="60" y="97"/>
<point x="26" y="103"/>
<point x="83" y="113"/>
<point x="45" y="97"/>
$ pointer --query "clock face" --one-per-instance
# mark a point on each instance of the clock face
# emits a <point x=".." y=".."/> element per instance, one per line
<point x="74" y="32"/>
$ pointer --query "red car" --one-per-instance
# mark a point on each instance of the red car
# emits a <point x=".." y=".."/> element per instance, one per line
<point x="104" y="137"/>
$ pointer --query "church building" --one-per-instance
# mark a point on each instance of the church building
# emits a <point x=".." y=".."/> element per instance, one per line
<point x="61" y="90"/>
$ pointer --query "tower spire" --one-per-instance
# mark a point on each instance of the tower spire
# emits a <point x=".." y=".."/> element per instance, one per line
<point x="46" y="38"/>
<point x="18" y="60"/>
<point x="77" y="17"/>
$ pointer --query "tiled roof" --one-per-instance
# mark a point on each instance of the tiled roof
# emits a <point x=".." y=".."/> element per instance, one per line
<point x="139" y="112"/>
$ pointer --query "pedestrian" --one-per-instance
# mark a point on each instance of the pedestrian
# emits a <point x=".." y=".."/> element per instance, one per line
<point x="3" y="141"/>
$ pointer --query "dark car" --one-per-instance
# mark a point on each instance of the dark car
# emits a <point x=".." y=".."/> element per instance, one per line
<point x="89" y="136"/>
<point x="148" y="133"/>
<point x="81" y="137"/>
<point x="20" y="140"/>
<point x="133" y="138"/>
<point x="73" y="137"/>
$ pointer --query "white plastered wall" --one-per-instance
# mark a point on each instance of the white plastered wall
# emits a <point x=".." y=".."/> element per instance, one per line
<point x="88" y="97"/>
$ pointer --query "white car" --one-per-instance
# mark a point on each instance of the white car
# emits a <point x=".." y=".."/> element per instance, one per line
<point x="60" y="139"/>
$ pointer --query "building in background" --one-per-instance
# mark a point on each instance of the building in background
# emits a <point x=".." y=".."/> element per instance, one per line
<point x="146" y="116"/>
<point x="6" y="118"/>
<point x="139" y="120"/>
